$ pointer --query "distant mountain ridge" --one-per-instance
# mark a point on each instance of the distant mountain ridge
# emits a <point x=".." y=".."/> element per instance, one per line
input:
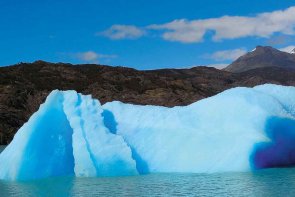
<point x="262" y="57"/>
<point x="23" y="87"/>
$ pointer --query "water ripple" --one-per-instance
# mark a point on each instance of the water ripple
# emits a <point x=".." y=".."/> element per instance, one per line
<point x="271" y="182"/>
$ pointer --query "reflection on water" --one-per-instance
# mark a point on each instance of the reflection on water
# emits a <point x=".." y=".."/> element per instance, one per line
<point x="272" y="182"/>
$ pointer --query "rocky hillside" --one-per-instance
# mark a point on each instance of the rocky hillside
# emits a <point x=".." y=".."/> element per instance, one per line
<point x="24" y="87"/>
<point x="262" y="57"/>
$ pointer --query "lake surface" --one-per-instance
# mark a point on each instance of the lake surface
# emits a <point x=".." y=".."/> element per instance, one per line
<point x="272" y="182"/>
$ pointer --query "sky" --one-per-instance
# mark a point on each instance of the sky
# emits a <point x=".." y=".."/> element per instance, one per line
<point x="142" y="34"/>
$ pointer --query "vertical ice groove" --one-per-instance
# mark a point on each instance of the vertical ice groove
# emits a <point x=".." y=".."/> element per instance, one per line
<point x="110" y="122"/>
<point x="82" y="110"/>
<point x="84" y="165"/>
<point x="111" y="155"/>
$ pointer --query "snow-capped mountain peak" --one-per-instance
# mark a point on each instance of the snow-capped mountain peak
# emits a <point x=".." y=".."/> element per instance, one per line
<point x="289" y="49"/>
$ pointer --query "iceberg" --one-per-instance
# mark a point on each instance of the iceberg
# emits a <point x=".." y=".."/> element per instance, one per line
<point x="240" y="129"/>
<point x="66" y="137"/>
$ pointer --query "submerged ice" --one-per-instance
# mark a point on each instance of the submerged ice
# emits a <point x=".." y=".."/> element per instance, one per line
<point x="237" y="130"/>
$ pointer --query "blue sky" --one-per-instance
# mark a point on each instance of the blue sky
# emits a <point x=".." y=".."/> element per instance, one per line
<point x="143" y="34"/>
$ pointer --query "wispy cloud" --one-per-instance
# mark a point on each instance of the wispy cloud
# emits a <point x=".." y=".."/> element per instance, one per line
<point x="279" y="40"/>
<point x="118" y="32"/>
<point x="226" y="55"/>
<point x="92" y="57"/>
<point x="225" y="27"/>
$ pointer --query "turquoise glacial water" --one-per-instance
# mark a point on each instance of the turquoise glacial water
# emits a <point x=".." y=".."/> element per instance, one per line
<point x="271" y="182"/>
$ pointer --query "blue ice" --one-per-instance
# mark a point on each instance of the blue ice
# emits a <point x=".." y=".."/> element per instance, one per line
<point x="66" y="137"/>
<point x="240" y="129"/>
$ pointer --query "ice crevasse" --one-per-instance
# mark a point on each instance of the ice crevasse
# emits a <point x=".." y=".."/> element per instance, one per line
<point x="240" y="129"/>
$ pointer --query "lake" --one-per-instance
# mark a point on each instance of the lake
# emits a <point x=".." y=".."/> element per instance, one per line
<point x="270" y="182"/>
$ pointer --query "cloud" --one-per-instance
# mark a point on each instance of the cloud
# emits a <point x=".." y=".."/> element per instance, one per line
<point x="229" y="27"/>
<point x="226" y="55"/>
<point x="118" y="32"/>
<point x="225" y="27"/>
<point x="288" y="49"/>
<point x="92" y="57"/>
<point x="87" y="56"/>
<point x="279" y="40"/>
<point x="180" y="30"/>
